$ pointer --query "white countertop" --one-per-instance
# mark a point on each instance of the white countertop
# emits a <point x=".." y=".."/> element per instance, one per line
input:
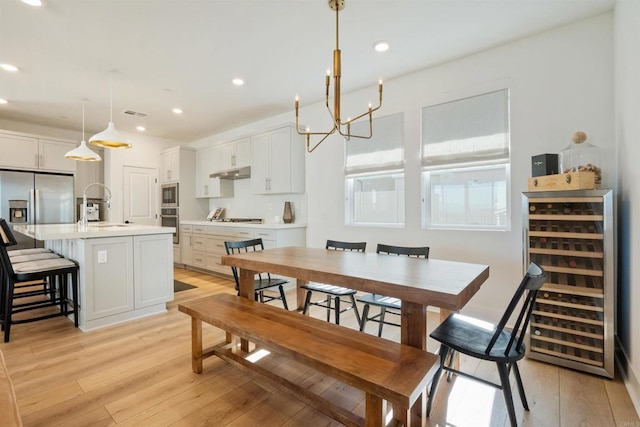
<point x="271" y="226"/>
<point x="91" y="231"/>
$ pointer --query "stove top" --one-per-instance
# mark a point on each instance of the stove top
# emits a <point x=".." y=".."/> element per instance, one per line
<point x="245" y="220"/>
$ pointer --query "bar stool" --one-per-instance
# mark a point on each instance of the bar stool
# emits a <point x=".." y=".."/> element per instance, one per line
<point x="55" y="270"/>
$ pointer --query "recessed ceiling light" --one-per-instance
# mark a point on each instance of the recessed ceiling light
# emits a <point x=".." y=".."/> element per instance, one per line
<point x="177" y="111"/>
<point x="237" y="81"/>
<point x="141" y="128"/>
<point x="9" y="67"/>
<point x="3" y="101"/>
<point x="381" y="46"/>
<point x="33" y="2"/>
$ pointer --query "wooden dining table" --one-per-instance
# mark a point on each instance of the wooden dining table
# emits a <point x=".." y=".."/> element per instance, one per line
<point x="418" y="283"/>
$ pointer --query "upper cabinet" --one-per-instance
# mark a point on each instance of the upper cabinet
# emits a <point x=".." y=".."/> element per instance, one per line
<point x="278" y="162"/>
<point x="88" y="173"/>
<point x="235" y="154"/>
<point x="207" y="162"/>
<point x="170" y="165"/>
<point x="27" y="152"/>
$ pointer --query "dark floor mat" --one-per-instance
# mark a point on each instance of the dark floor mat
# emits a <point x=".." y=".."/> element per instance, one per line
<point x="181" y="286"/>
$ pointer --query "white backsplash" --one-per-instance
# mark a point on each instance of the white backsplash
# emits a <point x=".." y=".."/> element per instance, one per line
<point x="244" y="204"/>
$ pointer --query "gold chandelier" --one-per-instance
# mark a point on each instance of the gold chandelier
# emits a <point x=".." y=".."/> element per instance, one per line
<point x="338" y="124"/>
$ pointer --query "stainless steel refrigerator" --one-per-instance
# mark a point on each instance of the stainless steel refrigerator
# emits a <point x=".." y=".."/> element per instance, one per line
<point x="35" y="198"/>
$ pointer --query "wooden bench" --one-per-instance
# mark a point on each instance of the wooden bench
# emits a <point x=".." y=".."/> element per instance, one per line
<point x="386" y="371"/>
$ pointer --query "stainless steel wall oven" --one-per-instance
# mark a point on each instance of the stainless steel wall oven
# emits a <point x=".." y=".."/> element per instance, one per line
<point x="169" y="217"/>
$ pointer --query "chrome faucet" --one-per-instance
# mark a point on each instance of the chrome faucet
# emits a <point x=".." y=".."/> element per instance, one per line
<point x="83" y="220"/>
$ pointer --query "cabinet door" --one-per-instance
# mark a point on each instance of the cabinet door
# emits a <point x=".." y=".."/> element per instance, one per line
<point x="280" y="161"/>
<point x="186" y="245"/>
<point x="227" y="156"/>
<point x="52" y="155"/>
<point x="243" y="152"/>
<point x="202" y="176"/>
<point x="153" y="285"/>
<point x="18" y="151"/>
<point x="260" y="146"/>
<point x="109" y="272"/>
<point x="170" y="166"/>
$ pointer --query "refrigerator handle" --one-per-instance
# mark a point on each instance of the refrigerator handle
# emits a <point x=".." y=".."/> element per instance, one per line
<point x="33" y="206"/>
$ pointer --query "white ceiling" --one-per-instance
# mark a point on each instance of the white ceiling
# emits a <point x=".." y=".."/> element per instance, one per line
<point x="184" y="53"/>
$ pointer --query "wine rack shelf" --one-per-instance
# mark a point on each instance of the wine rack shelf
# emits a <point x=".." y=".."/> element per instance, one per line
<point x="570" y="235"/>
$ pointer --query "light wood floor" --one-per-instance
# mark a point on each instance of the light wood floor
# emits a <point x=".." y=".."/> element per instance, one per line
<point x="139" y="374"/>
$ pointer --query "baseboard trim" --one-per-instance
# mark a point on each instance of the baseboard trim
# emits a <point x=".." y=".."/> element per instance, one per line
<point x="629" y="377"/>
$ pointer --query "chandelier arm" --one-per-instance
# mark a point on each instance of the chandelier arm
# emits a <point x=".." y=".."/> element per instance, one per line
<point x="326" y="135"/>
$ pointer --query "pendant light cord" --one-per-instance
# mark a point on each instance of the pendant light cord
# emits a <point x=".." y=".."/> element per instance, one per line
<point x="111" y="96"/>
<point x="83" y="119"/>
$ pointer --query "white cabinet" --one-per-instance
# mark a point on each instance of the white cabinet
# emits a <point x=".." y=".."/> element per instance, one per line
<point x="207" y="243"/>
<point x="51" y="155"/>
<point x="108" y="274"/>
<point x="29" y="152"/>
<point x="278" y="165"/>
<point x="186" y="247"/>
<point x="88" y="173"/>
<point x="207" y="162"/>
<point x="152" y="284"/>
<point x="235" y="154"/>
<point x="170" y="165"/>
<point x="121" y="278"/>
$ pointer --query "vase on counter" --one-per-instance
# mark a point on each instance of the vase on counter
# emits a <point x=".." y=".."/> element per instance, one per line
<point x="288" y="215"/>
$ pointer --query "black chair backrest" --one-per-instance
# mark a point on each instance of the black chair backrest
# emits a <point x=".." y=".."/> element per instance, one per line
<point x="531" y="283"/>
<point x="346" y="246"/>
<point x="8" y="239"/>
<point x="417" y="252"/>
<point x="243" y="246"/>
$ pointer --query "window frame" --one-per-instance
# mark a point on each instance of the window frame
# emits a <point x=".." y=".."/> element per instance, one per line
<point x="350" y="199"/>
<point x="426" y="171"/>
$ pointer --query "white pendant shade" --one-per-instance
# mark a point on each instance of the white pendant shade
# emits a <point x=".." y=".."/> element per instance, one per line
<point x="109" y="138"/>
<point x="83" y="153"/>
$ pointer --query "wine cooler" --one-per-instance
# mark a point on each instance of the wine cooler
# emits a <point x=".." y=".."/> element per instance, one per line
<point x="570" y="234"/>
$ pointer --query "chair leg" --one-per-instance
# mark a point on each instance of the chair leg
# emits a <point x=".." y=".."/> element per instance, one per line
<point x="355" y="307"/>
<point x="503" y="370"/>
<point x="363" y="320"/>
<point x="436" y="377"/>
<point x="523" y="396"/>
<point x="283" y="297"/>
<point x="337" y="310"/>
<point x="307" y="300"/>
<point x="383" y="311"/>
<point x="74" y="295"/>
<point x="8" y="308"/>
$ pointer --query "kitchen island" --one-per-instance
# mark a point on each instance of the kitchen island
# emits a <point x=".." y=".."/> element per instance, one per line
<point x="126" y="270"/>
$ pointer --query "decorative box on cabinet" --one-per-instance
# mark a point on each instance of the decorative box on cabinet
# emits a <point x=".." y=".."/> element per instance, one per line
<point x="570" y="235"/>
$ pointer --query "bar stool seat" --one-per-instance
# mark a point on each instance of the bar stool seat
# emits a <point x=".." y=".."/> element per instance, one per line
<point x="55" y="271"/>
<point x="30" y="251"/>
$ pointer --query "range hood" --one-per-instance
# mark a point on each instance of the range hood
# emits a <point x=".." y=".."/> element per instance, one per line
<point x="238" y="173"/>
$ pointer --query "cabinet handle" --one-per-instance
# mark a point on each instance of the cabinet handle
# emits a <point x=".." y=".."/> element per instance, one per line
<point x="233" y="160"/>
<point x="206" y="189"/>
<point x="36" y="160"/>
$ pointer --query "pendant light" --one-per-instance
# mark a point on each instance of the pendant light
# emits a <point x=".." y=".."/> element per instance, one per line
<point x="82" y="152"/>
<point x="110" y="137"/>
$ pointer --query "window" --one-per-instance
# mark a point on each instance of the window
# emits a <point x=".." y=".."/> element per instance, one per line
<point x="374" y="173"/>
<point x="465" y="163"/>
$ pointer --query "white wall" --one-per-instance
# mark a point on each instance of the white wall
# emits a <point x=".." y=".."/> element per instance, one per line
<point x="627" y="126"/>
<point x="144" y="153"/>
<point x="561" y="81"/>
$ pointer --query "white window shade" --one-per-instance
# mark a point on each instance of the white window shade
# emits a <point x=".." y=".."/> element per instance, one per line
<point x="469" y="131"/>
<point x="383" y="151"/>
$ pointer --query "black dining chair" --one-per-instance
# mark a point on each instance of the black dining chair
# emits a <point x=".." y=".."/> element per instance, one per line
<point x="264" y="281"/>
<point x="56" y="271"/>
<point x="387" y="305"/>
<point x="335" y="294"/>
<point x="494" y="343"/>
